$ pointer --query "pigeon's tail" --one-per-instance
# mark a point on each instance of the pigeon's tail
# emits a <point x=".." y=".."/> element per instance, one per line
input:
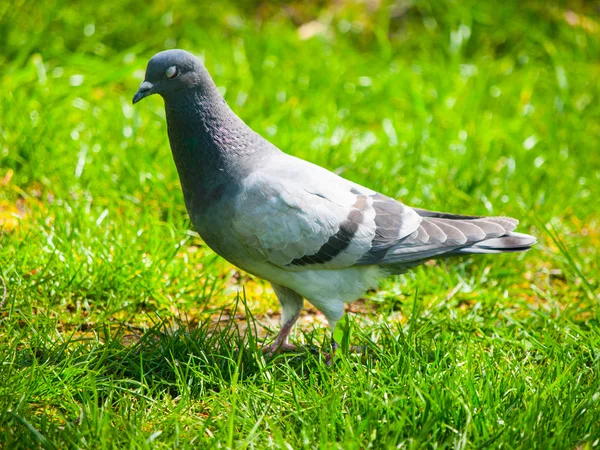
<point x="483" y="234"/>
<point x="510" y="242"/>
<point x="441" y="235"/>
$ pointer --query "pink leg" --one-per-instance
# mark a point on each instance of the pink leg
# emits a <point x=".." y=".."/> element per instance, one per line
<point x="291" y="304"/>
<point x="280" y="344"/>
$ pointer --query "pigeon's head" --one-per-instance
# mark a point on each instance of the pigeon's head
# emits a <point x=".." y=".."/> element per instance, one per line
<point x="171" y="71"/>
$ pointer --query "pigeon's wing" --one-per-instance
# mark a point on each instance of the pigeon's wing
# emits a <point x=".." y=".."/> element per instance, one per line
<point x="300" y="216"/>
<point x="297" y="215"/>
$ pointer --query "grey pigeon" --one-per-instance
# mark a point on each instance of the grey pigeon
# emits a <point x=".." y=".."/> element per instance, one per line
<point x="311" y="233"/>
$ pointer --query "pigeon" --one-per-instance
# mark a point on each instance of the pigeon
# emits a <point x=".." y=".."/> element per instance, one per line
<point x="311" y="233"/>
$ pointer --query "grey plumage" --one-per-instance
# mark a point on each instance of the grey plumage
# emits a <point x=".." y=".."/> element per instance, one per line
<point x="311" y="233"/>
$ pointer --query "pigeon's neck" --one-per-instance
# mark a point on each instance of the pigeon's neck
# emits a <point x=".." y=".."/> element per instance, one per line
<point x="203" y="129"/>
<point x="212" y="147"/>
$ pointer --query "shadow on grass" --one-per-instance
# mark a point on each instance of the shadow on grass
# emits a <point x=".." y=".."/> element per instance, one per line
<point x="171" y="357"/>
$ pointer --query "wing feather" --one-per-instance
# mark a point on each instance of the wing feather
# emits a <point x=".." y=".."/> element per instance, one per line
<point x="286" y="224"/>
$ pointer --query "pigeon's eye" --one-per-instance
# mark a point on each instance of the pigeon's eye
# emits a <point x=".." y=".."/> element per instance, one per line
<point x="171" y="72"/>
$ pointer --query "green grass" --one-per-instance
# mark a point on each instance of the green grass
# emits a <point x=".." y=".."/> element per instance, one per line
<point x="121" y="329"/>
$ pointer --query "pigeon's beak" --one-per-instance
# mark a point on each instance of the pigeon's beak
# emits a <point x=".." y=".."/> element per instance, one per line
<point x="146" y="89"/>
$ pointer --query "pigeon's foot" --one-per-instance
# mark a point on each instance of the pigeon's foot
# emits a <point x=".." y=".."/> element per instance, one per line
<point x="279" y="347"/>
<point x="280" y="344"/>
<point x="354" y="349"/>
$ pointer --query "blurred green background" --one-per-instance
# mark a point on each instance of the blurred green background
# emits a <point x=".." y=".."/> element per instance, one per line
<point x="478" y="107"/>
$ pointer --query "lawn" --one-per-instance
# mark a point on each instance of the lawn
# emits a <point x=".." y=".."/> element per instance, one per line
<point x="121" y="329"/>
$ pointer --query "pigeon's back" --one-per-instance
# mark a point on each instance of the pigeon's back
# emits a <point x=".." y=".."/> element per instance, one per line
<point x="300" y="216"/>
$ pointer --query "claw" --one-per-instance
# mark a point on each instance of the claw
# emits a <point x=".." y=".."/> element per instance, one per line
<point x="329" y="357"/>
<point x="277" y="347"/>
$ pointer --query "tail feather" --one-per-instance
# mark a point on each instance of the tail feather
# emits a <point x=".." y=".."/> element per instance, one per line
<point x="442" y="234"/>
<point x="511" y="242"/>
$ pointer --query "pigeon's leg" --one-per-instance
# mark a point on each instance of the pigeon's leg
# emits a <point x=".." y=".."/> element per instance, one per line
<point x="334" y="311"/>
<point x="291" y="305"/>
<point x="333" y="318"/>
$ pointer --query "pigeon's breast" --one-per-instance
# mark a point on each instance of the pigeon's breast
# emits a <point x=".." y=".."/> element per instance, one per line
<point x="212" y="217"/>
